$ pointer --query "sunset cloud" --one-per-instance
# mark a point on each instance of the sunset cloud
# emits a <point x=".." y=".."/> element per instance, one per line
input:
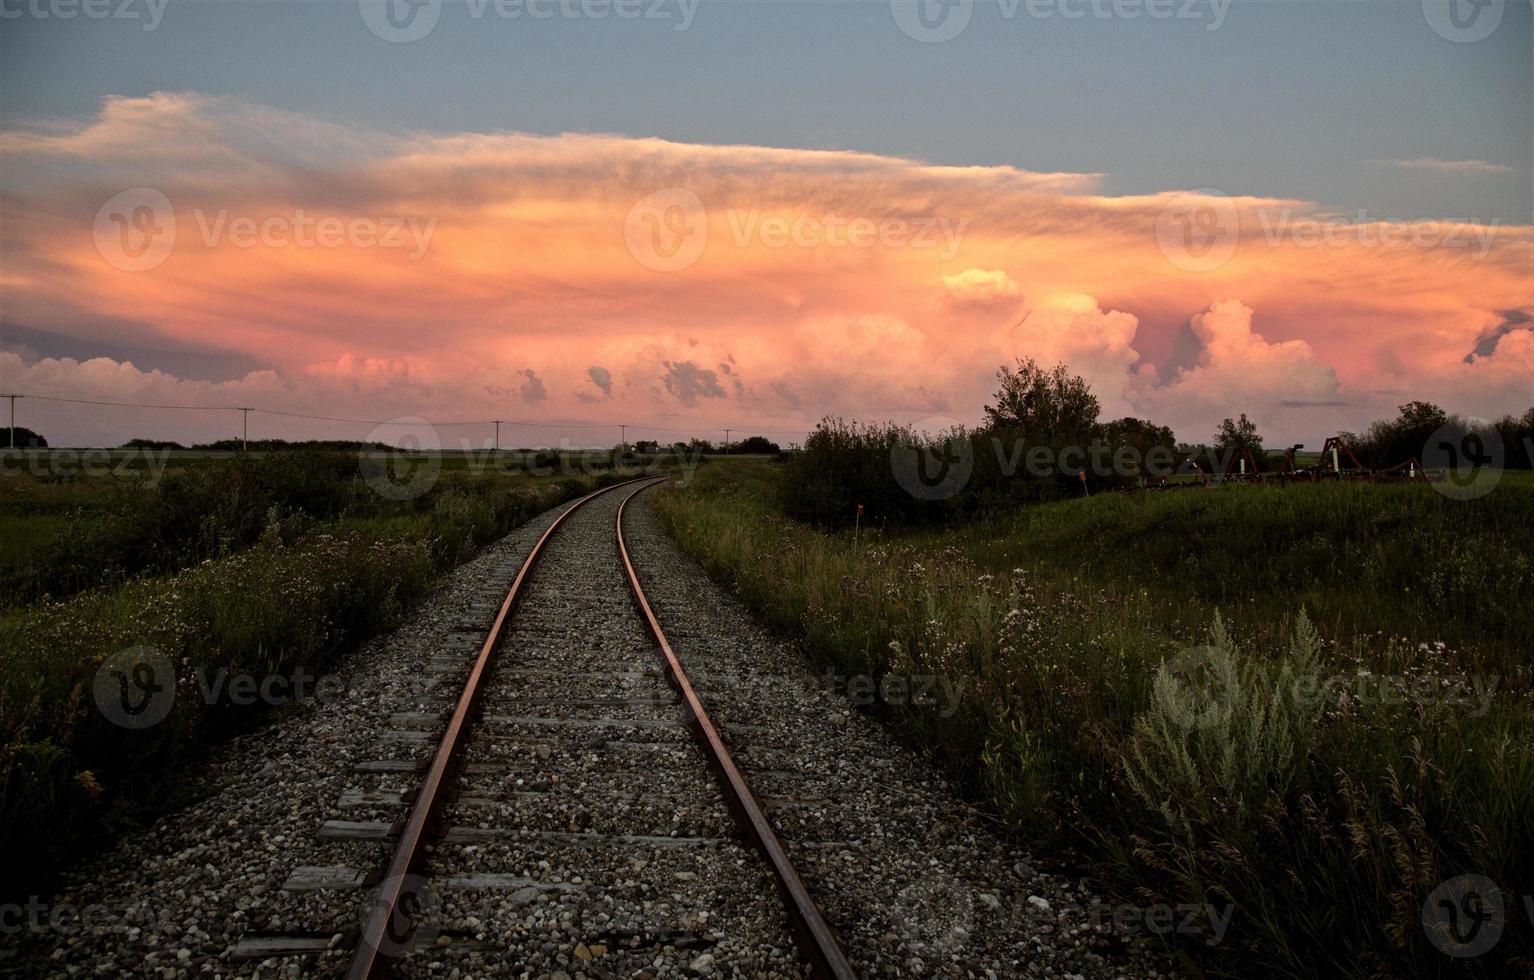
<point x="1450" y="166"/>
<point x="1238" y="367"/>
<point x="532" y="390"/>
<point x="981" y="286"/>
<point x="603" y="380"/>
<point x="479" y="275"/>
<point x="687" y="382"/>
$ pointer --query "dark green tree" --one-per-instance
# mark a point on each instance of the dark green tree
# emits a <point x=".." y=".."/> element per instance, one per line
<point x="1044" y="405"/>
<point x="757" y="444"/>
<point x="1141" y="436"/>
<point x="1138" y="434"/>
<point x="25" y="438"/>
<point x="1236" y="436"/>
<point x="1390" y="442"/>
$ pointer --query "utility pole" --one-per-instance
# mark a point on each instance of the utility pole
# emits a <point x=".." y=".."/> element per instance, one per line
<point x="497" y="435"/>
<point x="13" y="416"/>
<point x="244" y="428"/>
<point x="623" y="437"/>
<point x="727" y="442"/>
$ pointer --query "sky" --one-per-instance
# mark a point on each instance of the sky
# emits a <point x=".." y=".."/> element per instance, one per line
<point x="686" y="215"/>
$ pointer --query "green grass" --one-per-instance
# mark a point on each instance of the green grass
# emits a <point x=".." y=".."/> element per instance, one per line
<point x="1324" y="822"/>
<point x="72" y="531"/>
<point x="25" y="536"/>
<point x="1359" y="558"/>
<point x="36" y="512"/>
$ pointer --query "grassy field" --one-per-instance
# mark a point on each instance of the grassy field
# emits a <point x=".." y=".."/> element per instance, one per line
<point x="79" y="519"/>
<point x="1360" y="558"/>
<point x="267" y="567"/>
<point x="1307" y="705"/>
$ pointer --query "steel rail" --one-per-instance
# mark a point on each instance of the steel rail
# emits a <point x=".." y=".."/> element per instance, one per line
<point x="817" y="943"/>
<point x="389" y="918"/>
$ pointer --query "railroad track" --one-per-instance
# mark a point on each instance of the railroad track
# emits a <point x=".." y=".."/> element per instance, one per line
<point x="575" y="789"/>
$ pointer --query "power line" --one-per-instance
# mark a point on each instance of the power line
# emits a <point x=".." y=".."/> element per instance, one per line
<point x="87" y="401"/>
<point x="412" y="421"/>
<point x="531" y="424"/>
<point x="13" y="417"/>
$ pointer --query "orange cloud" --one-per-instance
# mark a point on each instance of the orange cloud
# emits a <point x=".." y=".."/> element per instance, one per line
<point x="479" y="275"/>
<point x="981" y="286"/>
<point x="1238" y="367"/>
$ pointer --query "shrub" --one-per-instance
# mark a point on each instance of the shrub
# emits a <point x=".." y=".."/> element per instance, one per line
<point x="904" y="478"/>
<point x="1222" y="734"/>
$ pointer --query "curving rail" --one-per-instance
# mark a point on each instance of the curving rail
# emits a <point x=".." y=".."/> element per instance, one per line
<point x="390" y="916"/>
<point x="817" y="942"/>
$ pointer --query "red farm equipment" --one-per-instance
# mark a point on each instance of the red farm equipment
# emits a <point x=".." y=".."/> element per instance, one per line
<point x="1337" y="462"/>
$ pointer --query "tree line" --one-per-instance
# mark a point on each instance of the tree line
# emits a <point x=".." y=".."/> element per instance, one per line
<point x="1043" y="438"/>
